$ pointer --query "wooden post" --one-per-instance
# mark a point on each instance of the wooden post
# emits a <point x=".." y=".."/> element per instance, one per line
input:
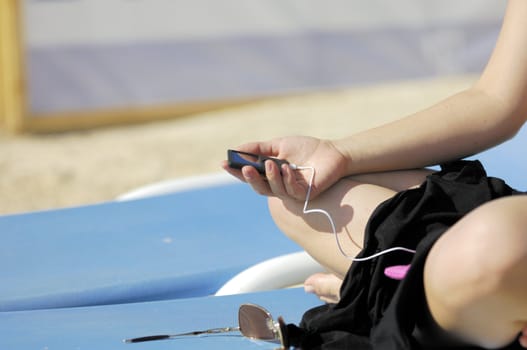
<point x="12" y="77"/>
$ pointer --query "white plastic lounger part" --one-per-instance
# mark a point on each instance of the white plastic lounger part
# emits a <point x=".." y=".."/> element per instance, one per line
<point x="178" y="185"/>
<point x="284" y="271"/>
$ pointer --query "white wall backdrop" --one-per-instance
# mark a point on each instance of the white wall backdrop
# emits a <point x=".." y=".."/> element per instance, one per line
<point x="92" y="54"/>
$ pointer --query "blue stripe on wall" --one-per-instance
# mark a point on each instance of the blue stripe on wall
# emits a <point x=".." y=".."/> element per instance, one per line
<point x="141" y="74"/>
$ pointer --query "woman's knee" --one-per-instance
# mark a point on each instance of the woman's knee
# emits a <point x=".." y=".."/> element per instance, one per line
<point x="502" y="231"/>
<point x="349" y="205"/>
<point x="489" y="241"/>
<point x="284" y="216"/>
<point x="475" y="271"/>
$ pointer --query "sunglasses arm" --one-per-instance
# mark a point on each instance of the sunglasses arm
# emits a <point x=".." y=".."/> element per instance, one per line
<point x="172" y="336"/>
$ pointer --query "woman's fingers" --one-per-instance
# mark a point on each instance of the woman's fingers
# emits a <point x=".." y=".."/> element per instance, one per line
<point x="234" y="172"/>
<point x="256" y="181"/>
<point x="274" y="179"/>
<point x="278" y="181"/>
<point x="292" y="186"/>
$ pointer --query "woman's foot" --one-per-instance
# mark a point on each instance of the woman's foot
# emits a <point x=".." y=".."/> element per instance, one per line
<point x="324" y="285"/>
<point x="523" y="337"/>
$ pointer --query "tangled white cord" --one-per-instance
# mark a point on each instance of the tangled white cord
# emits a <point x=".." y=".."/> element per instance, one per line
<point x="332" y="223"/>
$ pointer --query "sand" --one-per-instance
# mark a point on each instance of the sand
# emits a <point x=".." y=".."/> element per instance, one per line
<point x="41" y="172"/>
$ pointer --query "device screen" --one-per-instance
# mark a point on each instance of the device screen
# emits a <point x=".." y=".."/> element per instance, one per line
<point x="238" y="160"/>
<point x="244" y="158"/>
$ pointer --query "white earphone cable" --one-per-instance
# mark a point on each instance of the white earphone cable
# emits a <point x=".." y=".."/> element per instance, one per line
<point x="332" y="223"/>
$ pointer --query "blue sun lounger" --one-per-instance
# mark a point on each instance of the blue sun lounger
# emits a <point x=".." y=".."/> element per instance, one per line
<point x="105" y="327"/>
<point x="180" y="245"/>
<point x="186" y="244"/>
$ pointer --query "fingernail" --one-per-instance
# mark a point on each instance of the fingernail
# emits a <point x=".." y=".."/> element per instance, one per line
<point x="309" y="289"/>
<point x="268" y="165"/>
<point x="247" y="176"/>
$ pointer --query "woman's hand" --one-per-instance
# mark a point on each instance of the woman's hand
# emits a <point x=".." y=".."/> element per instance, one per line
<point x="330" y="165"/>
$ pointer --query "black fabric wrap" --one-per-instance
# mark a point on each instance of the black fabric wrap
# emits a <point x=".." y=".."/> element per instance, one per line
<point x="379" y="313"/>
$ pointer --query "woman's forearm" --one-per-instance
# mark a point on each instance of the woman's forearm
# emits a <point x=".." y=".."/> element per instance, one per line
<point x="464" y="124"/>
<point x="461" y="125"/>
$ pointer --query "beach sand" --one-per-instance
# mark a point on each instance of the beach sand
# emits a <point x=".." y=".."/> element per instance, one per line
<point x="40" y="172"/>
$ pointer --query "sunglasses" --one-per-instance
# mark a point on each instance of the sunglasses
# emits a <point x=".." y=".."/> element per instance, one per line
<point x="254" y="322"/>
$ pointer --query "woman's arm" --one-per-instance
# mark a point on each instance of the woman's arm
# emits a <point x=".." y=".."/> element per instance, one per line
<point x="483" y="116"/>
<point x="478" y="118"/>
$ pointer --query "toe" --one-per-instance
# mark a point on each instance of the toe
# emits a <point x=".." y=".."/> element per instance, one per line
<point x="325" y="285"/>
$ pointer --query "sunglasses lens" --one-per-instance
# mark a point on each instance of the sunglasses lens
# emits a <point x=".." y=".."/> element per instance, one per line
<point x="255" y="322"/>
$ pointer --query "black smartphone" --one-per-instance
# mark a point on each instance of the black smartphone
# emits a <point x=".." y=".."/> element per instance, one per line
<point x="238" y="160"/>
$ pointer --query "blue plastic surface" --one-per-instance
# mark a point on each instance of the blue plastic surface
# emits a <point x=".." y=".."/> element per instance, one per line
<point x="181" y="245"/>
<point x="175" y="246"/>
<point x="508" y="161"/>
<point x="105" y="327"/>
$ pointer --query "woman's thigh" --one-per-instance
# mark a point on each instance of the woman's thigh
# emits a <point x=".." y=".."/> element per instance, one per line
<point x="350" y="202"/>
<point x="398" y="180"/>
<point x="476" y="274"/>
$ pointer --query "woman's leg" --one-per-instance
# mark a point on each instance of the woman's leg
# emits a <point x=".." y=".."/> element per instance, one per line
<point x="326" y="286"/>
<point x="395" y="180"/>
<point x="350" y="202"/>
<point x="485" y="300"/>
